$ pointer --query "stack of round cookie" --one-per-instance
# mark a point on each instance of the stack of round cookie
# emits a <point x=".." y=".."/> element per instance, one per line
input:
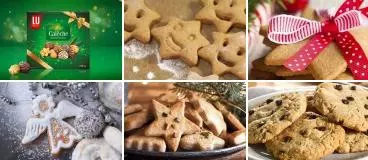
<point x="312" y="125"/>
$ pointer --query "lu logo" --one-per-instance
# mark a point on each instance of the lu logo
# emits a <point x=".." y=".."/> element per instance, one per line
<point x="36" y="21"/>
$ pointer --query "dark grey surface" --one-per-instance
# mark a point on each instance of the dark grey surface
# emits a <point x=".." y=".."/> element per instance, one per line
<point x="130" y="153"/>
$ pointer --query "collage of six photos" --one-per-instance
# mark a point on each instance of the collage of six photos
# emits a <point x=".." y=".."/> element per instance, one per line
<point x="192" y="80"/>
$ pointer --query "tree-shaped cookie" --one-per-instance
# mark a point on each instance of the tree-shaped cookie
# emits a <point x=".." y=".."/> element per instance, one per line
<point x="137" y="20"/>
<point x="180" y="39"/>
<point x="226" y="54"/>
<point x="223" y="13"/>
<point x="170" y="123"/>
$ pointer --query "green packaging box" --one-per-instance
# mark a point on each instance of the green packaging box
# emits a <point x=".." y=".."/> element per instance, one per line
<point x="58" y="40"/>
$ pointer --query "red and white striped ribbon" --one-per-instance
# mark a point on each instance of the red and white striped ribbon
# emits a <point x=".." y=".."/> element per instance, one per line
<point x="286" y="29"/>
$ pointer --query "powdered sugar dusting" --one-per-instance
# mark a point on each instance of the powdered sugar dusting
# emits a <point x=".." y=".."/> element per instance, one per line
<point x="137" y="50"/>
<point x="14" y="120"/>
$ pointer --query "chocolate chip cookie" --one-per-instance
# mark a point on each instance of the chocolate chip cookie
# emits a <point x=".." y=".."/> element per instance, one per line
<point x="354" y="142"/>
<point x="311" y="137"/>
<point x="274" y="115"/>
<point x="344" y="104"/>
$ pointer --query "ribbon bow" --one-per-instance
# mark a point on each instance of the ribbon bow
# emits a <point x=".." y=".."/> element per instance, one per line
<point x="285" y="29"/>
<point x="80" y="20"/>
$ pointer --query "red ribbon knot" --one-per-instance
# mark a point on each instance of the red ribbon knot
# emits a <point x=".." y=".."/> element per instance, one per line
<point x="286" y="29"/>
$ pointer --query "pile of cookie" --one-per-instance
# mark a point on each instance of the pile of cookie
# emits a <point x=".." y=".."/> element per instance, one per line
<point x="93" y="135"/>
<point x="328" y="65"/>
<point x="59" y="51"/>
<point x="180" y="123"/>
<point x="334" y="118"/>
<point x="183" y="39"/>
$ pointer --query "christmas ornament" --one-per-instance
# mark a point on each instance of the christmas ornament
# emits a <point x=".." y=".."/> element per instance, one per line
<point x="111" y="95"/>
<point x="89" y="124"/>
<point x="286" y="29"/>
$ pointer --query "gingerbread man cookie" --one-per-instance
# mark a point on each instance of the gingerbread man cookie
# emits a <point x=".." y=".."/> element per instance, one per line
<point x="46" y="117"/>
<point x="226" y="54"/>
<point x="138" y="20"/>
<point x="170" y="123"/>
<point x="223" y="13"/>
<point x="180" y="39"/>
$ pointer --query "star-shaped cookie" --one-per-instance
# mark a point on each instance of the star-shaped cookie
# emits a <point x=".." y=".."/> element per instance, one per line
<point x="226" y="54"/>
<point x="223" y="13"/>
<point x="138" y="19"/>
<point x="202" y="140"/>
<point x="170" y="123"/>
<point x="180" y="39"/>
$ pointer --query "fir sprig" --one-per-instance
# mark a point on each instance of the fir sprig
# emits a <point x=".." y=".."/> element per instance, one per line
<point x="232" y="93"/>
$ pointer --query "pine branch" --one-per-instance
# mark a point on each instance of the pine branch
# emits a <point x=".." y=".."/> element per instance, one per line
<point x="227" y="92"/>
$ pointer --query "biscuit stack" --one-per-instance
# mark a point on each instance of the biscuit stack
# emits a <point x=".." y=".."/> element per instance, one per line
<point x="328" y="65"/>
<point x="334" y="118"/>
<point x="177" y="123"/>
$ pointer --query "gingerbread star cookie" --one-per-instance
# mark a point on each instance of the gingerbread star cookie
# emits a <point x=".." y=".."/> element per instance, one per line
<point x="180" y="39"/>
<point x="138" y="19"/>
<point x="223" y="13"/>
<point x="170" y="124"/>
<point x="226" y="54"/>
<point x="46" y="117"/>
<point x="202" y="140"/>
<point x="212" y="117"/>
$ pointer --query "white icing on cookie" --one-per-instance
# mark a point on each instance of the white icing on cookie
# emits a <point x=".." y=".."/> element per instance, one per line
<point x="92" y="149"/>
<point x="113" y="136"/>
<point x="43" y="105"/>
<point x="45" y="116"/>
